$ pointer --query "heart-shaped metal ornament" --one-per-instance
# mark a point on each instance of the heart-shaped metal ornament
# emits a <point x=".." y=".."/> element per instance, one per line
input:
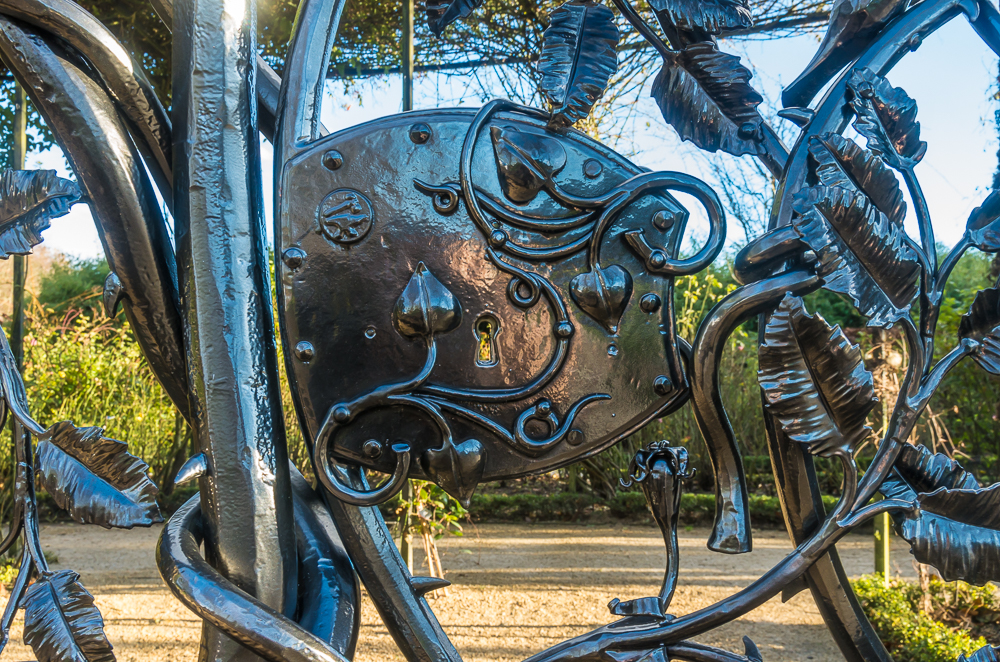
<point x="603" y="294"/>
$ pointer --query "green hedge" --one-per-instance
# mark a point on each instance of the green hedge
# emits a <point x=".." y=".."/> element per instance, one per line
<point x="909" y="634"/>
<point x="696" y="509"/>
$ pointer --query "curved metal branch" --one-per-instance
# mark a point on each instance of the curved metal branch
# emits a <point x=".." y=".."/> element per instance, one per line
<point x="731" y="530"/>
<point x="212" y="597"/>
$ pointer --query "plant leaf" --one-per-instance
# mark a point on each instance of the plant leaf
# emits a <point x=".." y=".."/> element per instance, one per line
<point x="29" y="199"/>
<point x="839" y="161"/>
<point x="708" y="16"/>
<point x="862" y="254"/>
<point x="814" y="381"/>
<point x="707" y="97"/>
<point x="61" y="623"/>
<point x="982" y="324"/>
<point x="578" y="58"/>
<point x="982" y="228"/>
<point x="442" y="13"/>
<point x="887" y="117"/>
<point x="95" y="478"/>
<point x="957" y="525"/>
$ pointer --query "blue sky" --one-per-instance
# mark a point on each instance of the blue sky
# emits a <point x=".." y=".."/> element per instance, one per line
<point x="952" y="77"/>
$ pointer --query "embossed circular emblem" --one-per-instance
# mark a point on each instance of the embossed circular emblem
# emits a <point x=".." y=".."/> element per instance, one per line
<point x="345" y="216"/>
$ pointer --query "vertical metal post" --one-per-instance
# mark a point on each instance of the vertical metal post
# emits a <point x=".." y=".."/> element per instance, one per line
<point x="882" y="535"/>
<point x="226" y="305"/>
<point x="406" y="518"/>
<point x="20" y="262"/>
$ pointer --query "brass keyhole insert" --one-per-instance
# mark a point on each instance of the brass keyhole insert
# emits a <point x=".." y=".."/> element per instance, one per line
<point x="486" y="328"/>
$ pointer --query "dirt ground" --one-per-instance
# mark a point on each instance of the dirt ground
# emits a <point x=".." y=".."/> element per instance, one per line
<point x="517" y="590"/>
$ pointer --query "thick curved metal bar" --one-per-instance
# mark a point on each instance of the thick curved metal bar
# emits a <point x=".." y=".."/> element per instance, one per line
<point x="301" y="95"/>
<point x="15" y="596"/>
<point x="329" y="594"/>
<point x="122" y="77"/>
<point x="110" y="172"/>
<point x="404" y="611"/>
<point x="222" y="268"/>
<point x="731" y="529"/>
<point x="760" y="257"/>
<point x="211" y="596"/>
<point x="347" y="494"/>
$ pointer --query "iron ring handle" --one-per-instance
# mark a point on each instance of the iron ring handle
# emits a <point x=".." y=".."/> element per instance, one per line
<point x="341" y="490"/>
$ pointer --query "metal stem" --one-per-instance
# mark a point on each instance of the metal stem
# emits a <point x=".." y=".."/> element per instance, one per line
<point x="20" y="262"/>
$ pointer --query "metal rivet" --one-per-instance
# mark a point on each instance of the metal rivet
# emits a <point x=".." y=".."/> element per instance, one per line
<point x="662" y="385"/>
<point x="657" y="259"/>
<point x="498" y="238"/>
<point x="369" y="332"/>
<point x="333" y="159"/>
<point x="420" y="133"/>
<point x="612" y="350"/>
<point x="543" y="407"/>
<point x="664" y="220"/>
<point x="592" y="168"/>
<point x="341" y="414"/>
<point x="564" y="330"/>
<point x="372" y="449"/>
<point x="574" y="437"/>
<point x="293" y="257"/>
<point x="650" y="303"/>
<point x="304" y="351"/>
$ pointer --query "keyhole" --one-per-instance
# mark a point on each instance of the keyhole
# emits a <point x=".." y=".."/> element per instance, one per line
<point x="486" y="341"/>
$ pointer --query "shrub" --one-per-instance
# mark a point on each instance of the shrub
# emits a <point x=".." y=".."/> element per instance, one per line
<point x="909" y="634"/>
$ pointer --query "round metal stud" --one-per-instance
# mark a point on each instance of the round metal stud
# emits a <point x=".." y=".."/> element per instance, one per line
<point x="304" y="351"/>
<point x="592" y="169"/>
<point x="293" y="257"/>
<point x="663" y="220"/>
<point x="420" y="133"/>
<point x="341" y="414"/>
<point x="543" y="408"/>
<point x="333" y="159"/>
<point x="369" y="332"/>
<point x="662" y="385"/>
<point x="650" y="302"/>
<point x="612" y="350"/>
<point x="657" y="259"/>
<point x="372" y="449"/>
<point x="574" y="437"/>
<point x="498" y="238"/>
<point x="564" y="330"/>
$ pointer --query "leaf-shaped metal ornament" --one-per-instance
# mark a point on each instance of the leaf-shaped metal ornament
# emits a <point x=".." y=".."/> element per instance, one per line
<point x="956" y="528"/>
<point x="442" y="13"/>
<point x="526" y="162"/>
<point x="578" y="58"/>
<point x="712" y="17"/>
<point x="982" y="324"/>
<point x="707" y="97"/>
<point x="839" y="161"/>
<point x="814" y="381"/>
<point x="426" y="307"/>
<point x="983" y="229"/>
<point x="61" y="622"/>
<point x="29" y="199"/>
<point x="95" y="478"/>
<point x="887" y="117"/>
<point x="862" y="254"/>
<point x="984" y="654"/>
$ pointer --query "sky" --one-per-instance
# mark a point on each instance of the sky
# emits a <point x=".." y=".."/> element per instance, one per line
<point x="952" y="76"/>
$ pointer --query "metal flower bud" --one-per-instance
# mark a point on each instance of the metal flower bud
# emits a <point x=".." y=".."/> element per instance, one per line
<point x="426" y="306"/>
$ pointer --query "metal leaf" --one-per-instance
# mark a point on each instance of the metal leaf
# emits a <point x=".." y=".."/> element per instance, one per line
<point x="29" y="199"/>
<point x="925" y="471"/>
<point x="442" y="13"/>
<point x="709" y="16"/>
<point x="706" y="96"/>
<point x="425" y="307"/>
<point x="984" y="654"/>
<point x="578" y="58"/>
<point x="61" y="623"/>
<point x="887" y="117"/>
<point x="982" y="229"/>
<point x="839" y="161"/>
<point x="526" y="162"/>
<point x="955" y="529"/>
<point x="862" y="254"/>
<point x="95" y="478"/>
<point x="982" y="324"/>
<point x="814" y="381"/>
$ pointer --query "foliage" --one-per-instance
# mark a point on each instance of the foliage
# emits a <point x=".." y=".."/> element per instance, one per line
<point x="909" y="634"/>
<point x="73" y="283"/>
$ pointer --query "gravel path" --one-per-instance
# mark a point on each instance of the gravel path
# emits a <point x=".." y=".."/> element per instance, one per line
<point x="517" y="590"/>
